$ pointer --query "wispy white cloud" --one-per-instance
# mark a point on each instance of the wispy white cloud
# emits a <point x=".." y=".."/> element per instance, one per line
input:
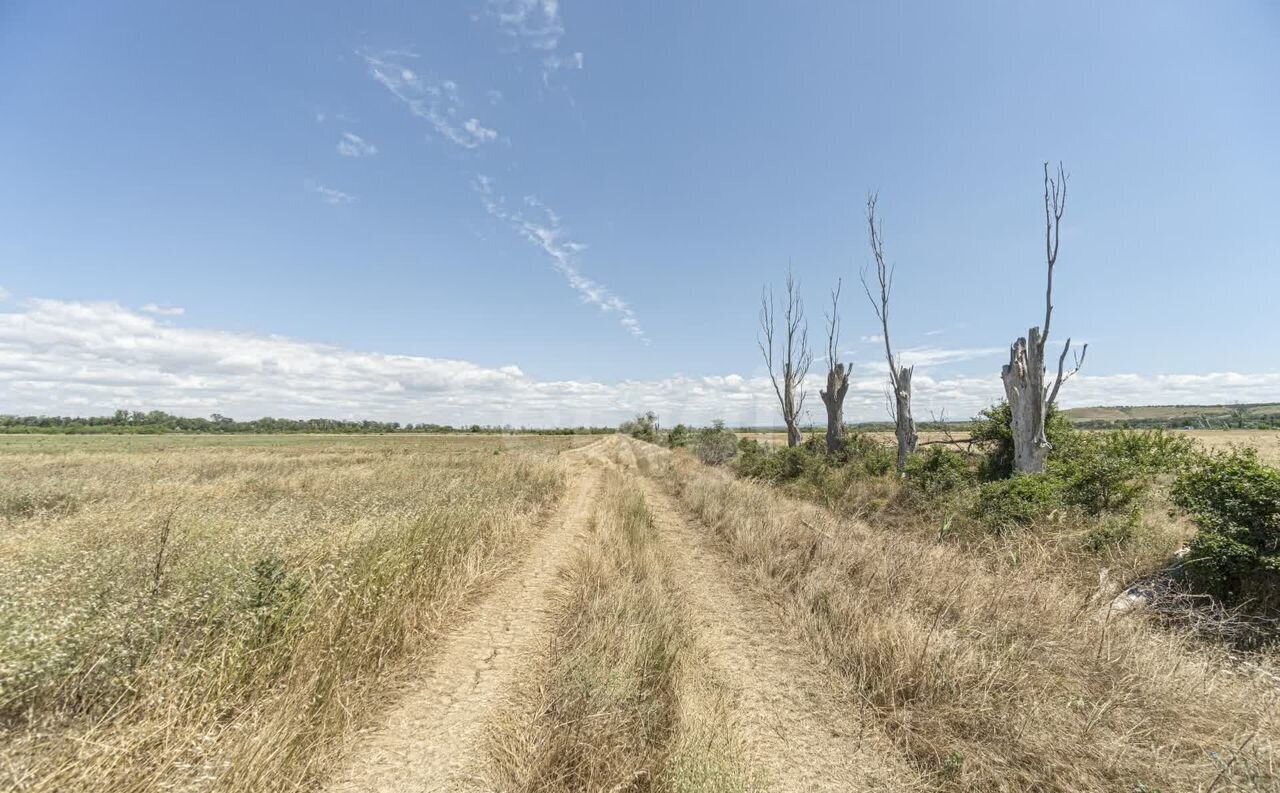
<point x="540" y="225"/>
<point x="438" y="102"/>
<point x="4" y="293"/>
<point x="530" y="23"/>
<point x="164" y="311"/>
<point x="59" y="357"/>
<point x="330" y="195"/>
<point x="536" y="25"/>
<point x="924" y="357"/>
<point x="352" y="145"/>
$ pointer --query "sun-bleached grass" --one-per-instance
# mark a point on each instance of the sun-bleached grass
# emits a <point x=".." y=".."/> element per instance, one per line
<point x="183" y="615"/>
<point x="991" y="671"/>
<point x="621" y="703"/>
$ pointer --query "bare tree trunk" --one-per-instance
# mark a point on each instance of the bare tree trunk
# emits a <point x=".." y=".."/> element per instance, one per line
<point x="833" y="398"/>
<point x="1024" y="388"/>
<point x="795" y="355"/>
<point x="790" y="411"/>
<point x="1029" y="399"/>
<point x="899" y="375"/>
<point x="904" y="425"/>
<point x="837" y="378"/>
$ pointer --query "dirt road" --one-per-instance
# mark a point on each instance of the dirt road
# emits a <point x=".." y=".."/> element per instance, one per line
<point x="796" y="739"/>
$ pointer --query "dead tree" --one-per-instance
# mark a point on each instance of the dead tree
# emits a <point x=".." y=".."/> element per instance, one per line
<point x="788" y="384"/>
<point x="904" y="426"/>
<point x="1030" y="400"/>
<point x="837" y="377"/>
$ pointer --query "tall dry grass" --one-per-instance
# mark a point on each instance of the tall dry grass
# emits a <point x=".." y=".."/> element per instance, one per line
<point x="183" y="616"/>
<point x="991" y="673"/>
<point x="621" y="703"/>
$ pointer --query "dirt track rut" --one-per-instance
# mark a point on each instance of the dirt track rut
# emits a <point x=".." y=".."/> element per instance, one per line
<point x="795" y="734"/>
<point x="430" y="738"/>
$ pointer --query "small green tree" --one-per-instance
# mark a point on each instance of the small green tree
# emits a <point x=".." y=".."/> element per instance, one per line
<point x="716" y="445"/>
<point x="643" y="427"/>
<point x="1235" y="500"/>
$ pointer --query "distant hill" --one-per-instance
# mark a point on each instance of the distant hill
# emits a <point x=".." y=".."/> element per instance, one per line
<point x="1261" y="415"/>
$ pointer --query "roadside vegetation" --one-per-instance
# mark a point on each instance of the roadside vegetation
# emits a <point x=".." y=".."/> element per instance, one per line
<point x="218" y="617"/>
<point x="1198" y="531"/>
<point x="988" y="656"/>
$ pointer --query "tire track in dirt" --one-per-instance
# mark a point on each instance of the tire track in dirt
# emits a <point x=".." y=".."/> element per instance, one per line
<point x="795" y="729"/>
<point x="430" y="739"/>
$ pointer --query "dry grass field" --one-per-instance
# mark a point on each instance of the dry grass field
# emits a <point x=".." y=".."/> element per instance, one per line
<point x="213" y="613"/>
<point x="562" y="614"/>
<point x="1267" y="442"/>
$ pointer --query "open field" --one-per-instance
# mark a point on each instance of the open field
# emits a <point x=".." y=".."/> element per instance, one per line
<point x="197" y="612"/>
<point x="1267" y="442"/>
<point x="561" y="614"/>
<point x="1191" y="415"/>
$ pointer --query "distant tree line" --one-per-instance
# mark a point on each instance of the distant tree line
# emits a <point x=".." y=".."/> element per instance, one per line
<point x="159" y="422"/>
<point x="1194" y="421"/>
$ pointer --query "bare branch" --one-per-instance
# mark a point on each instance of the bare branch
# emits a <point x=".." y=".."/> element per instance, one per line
<point x="833" y="326"/>
<point x="884" y="278"/>
<point x="1055" y="203"/>
<point x="940" y="421"/>
<point x="765" y="340"/>
<point x="794" y="349"/>
<point x="1062" y="378"/>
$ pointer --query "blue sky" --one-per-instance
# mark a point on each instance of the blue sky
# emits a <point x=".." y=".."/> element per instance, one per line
<point x="535" y="212"/>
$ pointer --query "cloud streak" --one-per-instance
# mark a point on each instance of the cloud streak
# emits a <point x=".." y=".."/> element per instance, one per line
<point x="438" y="102"/>
<point x="352" y="145"/>
<point x="65" y="357"/>
<point x="538" y="224"/>
<point x="330" y="195"/>
<point x="164" y="311"/>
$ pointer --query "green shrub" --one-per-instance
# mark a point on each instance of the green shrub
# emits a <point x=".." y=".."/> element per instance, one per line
<point x="1097" y="480"/>
<point x="1235" y="501"/>
<point x="778" y="464"/>
<point x="1152" y="451"/>
<point x="715" y="445"/>
<point x="870" y="455"/>
<point x="755" y="460"/>
<point x="1104" y="472"/>
<point x="794" y="462"/>
<point x="679" y="436"/>
<point x="938" y="471"/>
<point x="1018" y="501"/>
